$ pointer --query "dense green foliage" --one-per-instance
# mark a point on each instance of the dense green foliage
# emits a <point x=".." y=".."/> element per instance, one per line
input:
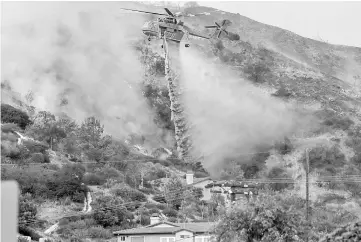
<point x="350" y="232"/>
<point x="279" y="217"/>
<point x="111" y="212"/>
<point x="9" y="114"/>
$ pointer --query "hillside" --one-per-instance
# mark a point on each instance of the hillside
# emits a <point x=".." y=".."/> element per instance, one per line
<point x="94" y="101"/>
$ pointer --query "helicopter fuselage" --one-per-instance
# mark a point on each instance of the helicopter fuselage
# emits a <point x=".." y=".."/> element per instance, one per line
<point x="159" y="29"/>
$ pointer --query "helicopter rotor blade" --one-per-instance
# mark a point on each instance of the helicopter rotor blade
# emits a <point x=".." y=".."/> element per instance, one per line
<point x="169" y="12"/>
<point x="144" y="11"/>
<point x="210" y="27"/>
<point x="219" y="34"/>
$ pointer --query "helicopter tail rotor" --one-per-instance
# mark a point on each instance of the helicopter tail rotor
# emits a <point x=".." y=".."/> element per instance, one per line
<point x="220" y="28"/>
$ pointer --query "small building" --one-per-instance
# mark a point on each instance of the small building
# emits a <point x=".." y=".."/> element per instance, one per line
<point x="159" y="231"/>
<point x="200" y="183"/>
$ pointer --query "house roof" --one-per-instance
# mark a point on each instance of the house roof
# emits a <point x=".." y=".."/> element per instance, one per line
<point x="232" y="184"/>
<point x="201" y="227"/>
<point x="198" y="180"/>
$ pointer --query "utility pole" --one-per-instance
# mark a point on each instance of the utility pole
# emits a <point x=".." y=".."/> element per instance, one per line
<point x="307" y="192"/>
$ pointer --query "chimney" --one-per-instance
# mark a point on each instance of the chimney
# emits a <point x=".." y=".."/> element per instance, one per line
<point x="189" y="177"/>
<point x="154" y="219"/>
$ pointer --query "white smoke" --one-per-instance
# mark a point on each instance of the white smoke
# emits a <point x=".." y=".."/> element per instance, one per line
<point x="230" y="115"/>
<point x="81" y="52"/>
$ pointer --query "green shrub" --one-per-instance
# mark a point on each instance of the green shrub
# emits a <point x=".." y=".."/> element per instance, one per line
<point x="331" y="197"/>
<point x="129" y="194"/>
<point x="22" y="239"/>
<point x="80" y="224"/>
<point x="111" y="211"/>
<point x="145" y="220"/>
<point x="99" y="232"/>
<point x="335" y="121"/>
<point x="9" y="138"/>
<point x="27" y="231"/>
<point x="153" y="210"/>
<point x="161" y="206"/>
<point x="37" y="158"/>
<point x="9" y="127"/>
<point x="354" y="143"/>
<point x="35" y="146"/>
<point x="93" y="179"/>
<point x="120" y="165"/>
<point x="349" y="232"/>
<point x="200" y="174"/>
<point x="14" y="153"/>
<point x="94" y="154"/>
<point x="150" y="205"/>
<point x="76" y="239"/>
<point x="46" y="158"/>
<point x="159" y="198"/>
<point x="257" y="71"/>
<point x="77" y="197"/>
<point x="278" y="172"/>
<point x="172" y="219"/>
<point x="165" y="163"/>
<point x="65" y="183"/>
<point x="27" y="209"/>
<point x="9" y="114"/>
<point x="89" y="222"/>
<point x="169" y="212"/>
<point x="146" y="190"/>
<point x="328" y="159"/>
<point x="109" y="173"/>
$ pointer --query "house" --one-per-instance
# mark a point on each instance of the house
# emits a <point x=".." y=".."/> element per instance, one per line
<point x="200" y="183"/>
<point x="159" y="231"/>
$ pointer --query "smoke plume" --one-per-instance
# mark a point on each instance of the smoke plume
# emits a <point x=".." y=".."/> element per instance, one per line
<point x="77" y="58"/>
<point x="229" y="114"/>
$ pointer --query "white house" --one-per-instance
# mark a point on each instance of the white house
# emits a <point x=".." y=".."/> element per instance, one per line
<point x="167" y="232"/>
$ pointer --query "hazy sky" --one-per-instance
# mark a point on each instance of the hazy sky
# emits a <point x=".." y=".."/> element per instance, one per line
<point x="335" y="22"/>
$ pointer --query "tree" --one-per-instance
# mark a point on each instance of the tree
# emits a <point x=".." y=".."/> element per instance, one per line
<point x="9" y="114"/>
<point x="67" y="124"/>
<point x="174" y="191"/>
<point x="91" y="132"/>
<point x="267" y="219"/>
<point x="111" y="212"/>
<point x="92" y="140"/>
<point x="27" y="209"/>
<point x="46" y="128"/>
<point x="278" y="172"/>
<point x="215" y="205"/>
<point x="67" y="181"/>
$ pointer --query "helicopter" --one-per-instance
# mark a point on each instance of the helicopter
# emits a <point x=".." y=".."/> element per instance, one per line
<point x="174" y="29"/>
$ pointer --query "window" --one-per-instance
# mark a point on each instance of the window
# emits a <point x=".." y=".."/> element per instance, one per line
<point x="122" y="238"/>
<point x="203" y="239"/>
<point x="167" y="239"/>
<point x="184" y="236"/>
<point x="137" y="239"/>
